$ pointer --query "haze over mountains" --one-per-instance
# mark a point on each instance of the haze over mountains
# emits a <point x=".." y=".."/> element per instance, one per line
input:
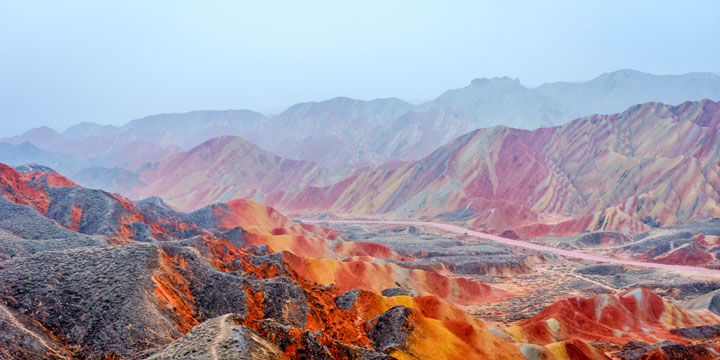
<point x="341" y="132"/>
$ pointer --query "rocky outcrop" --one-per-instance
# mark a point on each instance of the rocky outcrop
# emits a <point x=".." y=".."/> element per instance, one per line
<point x="665" y="350"/>
<point x="346" y="300"/>
<point x="709" y="301"/>
<point x="635" y="314"/>
<point x="389" y="331"/>
<point x="698" y="332"/>
<point x="433" y="252"/>
<point x="602" y="269"/>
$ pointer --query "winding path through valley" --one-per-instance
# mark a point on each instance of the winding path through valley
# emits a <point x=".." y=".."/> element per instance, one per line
<point x="527" y="245"/>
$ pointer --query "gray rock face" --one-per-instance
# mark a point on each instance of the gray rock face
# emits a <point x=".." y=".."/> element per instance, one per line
<point x="709" y="301"/>
<point x="284" y="301"/>
<point x="598" y="238"/>
<point x="662" y="283"/>
<point x="220" y="338"/>
<point x="698" y="332"/>
<point x="23" y="231"/>
<point x="397" y="292"/>
<point x="306" y="344"/>
<point x="108" y="289"/>
<point x="346" y="300"/>
<point x="101" y="213"/>
<point x="532" y="351"/>
<point x="659" y="241"/>
<point x="664" y="350"/>
<point x="389" y="330"/>
<point x="602" y="269"/>
<point x="10" y="246"/>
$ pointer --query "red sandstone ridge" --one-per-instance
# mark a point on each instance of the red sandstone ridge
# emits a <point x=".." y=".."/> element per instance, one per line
<point x="378" y="276"/>
<point x="71" y="207"/>
<point x="30" y="188"/>
<point x="222" y="169"/>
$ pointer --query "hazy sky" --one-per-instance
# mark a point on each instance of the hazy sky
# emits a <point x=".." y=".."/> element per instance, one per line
<point x="63" y="62"/>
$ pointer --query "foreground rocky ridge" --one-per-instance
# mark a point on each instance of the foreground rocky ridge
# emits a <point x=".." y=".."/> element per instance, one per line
<point x="89" y="274"/>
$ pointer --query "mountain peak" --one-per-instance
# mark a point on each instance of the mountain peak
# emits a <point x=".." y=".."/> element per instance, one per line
<point x="85" y="129"/>
<point x="41" y="137"/>
<point x="506" y="80"/>
<point x="42" y="129"/>
<point x="225" y="141"/>
<point x="625" y="73"/>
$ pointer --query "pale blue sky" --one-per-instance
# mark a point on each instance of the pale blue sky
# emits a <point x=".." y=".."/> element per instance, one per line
<point x="63" y="62"/>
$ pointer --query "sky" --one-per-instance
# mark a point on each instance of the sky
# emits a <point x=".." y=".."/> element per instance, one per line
<point x="65" y="62"/>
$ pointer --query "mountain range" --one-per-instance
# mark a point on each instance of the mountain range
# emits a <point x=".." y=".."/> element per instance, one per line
<point x="650" y="165"/>
<point x="496" y="179"/>
<point x="342" y="133"/>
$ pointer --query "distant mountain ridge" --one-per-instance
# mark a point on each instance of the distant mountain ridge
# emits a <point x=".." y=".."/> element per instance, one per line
<point x="340" y="132"/>
<point x="624" y="88"/>
<point x="650" y="165"/>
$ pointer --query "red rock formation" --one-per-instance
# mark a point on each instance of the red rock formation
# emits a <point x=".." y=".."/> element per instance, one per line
<point x="18" y="187"/>
<point x="636" y="314"/>
<point x="221" y="169"/>
<point x="376" y="277"/>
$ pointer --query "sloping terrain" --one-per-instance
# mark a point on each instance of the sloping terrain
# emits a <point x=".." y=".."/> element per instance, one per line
<point x="690" y="244"/>
<point x="440" y="252"/>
